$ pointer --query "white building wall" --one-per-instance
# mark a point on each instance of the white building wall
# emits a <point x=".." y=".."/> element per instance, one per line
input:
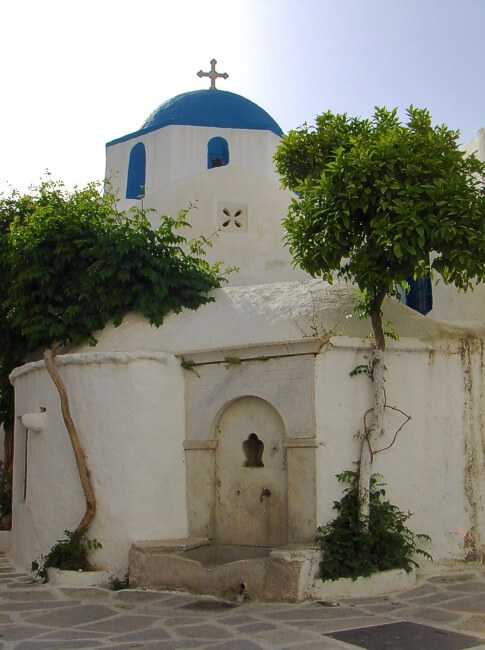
<point x="130" y="417"/>
<point x="177" y="176"/>
<point x="175" y="153"/>
<point x="452" y="305"/>
<point x="436" y="467"/>
<point x="458" y="307"/>
<point x="476" y="146"/>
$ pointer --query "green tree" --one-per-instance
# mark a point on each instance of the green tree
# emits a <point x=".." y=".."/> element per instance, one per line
<point x="71" y="263"/>
<point x="378" y="202"/>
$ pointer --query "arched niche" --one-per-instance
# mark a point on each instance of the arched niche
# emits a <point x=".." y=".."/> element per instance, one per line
<point x="251" y="500"/>
<point x="135" y="183"/>
<point x="217" y="152"/>
<point x="285" y="385"/>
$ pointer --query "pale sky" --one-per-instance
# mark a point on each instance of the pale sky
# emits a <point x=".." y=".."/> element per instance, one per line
<point x="79" y="74"/>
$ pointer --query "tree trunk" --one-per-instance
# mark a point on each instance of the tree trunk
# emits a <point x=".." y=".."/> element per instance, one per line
<point x="81" y="528"/>
<point x="8" y="429"/>
<point x="366" y="455"/>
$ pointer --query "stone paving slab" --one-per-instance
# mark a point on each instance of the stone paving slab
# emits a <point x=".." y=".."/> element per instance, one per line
<point x="66" y="635"/>
<point x="156" y="634"/>
<point x="406" y="636"/>
<point x="35" y="616"/>
<point x="48" y="645"/>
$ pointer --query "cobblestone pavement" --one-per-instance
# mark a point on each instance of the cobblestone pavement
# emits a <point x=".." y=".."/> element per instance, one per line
<point x="38" y="617"/>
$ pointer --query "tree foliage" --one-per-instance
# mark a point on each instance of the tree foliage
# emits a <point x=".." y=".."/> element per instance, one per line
<point x="375" y="198"/>
<point x="70" y="263"/>
<point x="73" y="263"/>
<point x="378" y="202"/>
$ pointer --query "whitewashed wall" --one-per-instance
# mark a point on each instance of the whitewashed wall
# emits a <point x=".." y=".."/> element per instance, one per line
<point x="177" y="176"/>
<point x="130" y="417"/>
<point x="177" y="153"/>
<point x="458" y="307"/>
<point x="436" y="467"/>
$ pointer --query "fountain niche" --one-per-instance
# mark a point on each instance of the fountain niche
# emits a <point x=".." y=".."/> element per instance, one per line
<point x="244" y="551"/>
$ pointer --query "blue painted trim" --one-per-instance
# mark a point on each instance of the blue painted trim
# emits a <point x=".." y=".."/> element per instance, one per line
<point x="135" y="184"/>
<point x="214" y="108"/>
<point x="420" y="295"/>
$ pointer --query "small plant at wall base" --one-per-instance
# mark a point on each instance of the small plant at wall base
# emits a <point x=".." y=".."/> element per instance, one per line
<point x="352" y="547"/>
<point x="68" y="554"/>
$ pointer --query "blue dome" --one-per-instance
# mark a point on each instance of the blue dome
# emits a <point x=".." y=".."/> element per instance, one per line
<point x="217" y="108"/>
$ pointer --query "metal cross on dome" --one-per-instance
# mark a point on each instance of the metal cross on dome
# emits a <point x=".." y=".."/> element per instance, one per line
<point x="213" y="74"/>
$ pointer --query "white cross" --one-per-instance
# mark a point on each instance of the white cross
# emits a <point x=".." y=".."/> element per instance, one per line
<point x="213" y="74"/>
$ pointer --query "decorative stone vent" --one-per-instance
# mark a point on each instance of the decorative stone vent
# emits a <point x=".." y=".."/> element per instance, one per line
<point x="232" y="217"/>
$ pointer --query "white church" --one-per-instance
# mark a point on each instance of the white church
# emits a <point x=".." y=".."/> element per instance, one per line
<point x="167" y="416"/>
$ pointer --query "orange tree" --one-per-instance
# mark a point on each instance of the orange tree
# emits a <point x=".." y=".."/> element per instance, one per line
<point x="377" y="202"/>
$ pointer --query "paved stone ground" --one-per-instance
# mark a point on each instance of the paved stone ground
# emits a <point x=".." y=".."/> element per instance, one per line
<point x="38" y="617"/>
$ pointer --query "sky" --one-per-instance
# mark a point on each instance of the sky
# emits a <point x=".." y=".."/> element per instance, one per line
<point x="79" y="74"/>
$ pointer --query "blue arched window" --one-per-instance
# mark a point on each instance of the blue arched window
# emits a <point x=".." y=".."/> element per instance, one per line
<point x="217" y="153"/>
<point x="419" y="296"/>
<point x="135" y="185"/>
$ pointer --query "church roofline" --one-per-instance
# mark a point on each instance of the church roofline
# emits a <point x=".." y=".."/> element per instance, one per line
<point x="137" y="134"/>
<point x="210" y="108"/>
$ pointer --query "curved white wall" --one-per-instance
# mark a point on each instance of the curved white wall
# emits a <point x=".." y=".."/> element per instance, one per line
<point x="130" y="417"/>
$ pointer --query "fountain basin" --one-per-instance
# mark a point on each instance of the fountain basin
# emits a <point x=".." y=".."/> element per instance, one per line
<point x="231" y="572"/>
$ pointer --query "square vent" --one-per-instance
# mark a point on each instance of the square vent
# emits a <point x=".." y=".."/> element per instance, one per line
<point x="232" y="217"/>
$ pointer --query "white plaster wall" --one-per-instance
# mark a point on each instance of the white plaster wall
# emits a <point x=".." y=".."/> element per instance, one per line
<point x="436" y="467"/>
<point x="179" y="152"/>
<point x="458" y="307"/>
<point x="130" y="417"/>
<point x="177" y="176"/>
<point x="477" y="145"/>
<point x="452" y="305"/>
<point x="264" y="314"/>
<point x="258" y="252"/>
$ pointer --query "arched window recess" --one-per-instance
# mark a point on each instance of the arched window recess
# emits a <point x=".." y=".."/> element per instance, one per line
<point x="135" y="184"/>
<point x="217" y="153"/>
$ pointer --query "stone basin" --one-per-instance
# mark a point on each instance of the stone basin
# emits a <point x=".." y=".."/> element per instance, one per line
<point x="231" y="572"/>
<point x="214" y="555"/>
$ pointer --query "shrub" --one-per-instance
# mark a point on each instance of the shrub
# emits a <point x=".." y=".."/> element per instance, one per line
<point x="66" y="554"/>
<point x="350" y="549"/>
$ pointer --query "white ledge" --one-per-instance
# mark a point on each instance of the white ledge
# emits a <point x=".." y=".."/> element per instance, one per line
<point x="90" y="358"/>
<point x="404" y="344"/>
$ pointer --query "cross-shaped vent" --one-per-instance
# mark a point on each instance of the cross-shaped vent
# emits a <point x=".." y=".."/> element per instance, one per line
<point x="233" y="217"/>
